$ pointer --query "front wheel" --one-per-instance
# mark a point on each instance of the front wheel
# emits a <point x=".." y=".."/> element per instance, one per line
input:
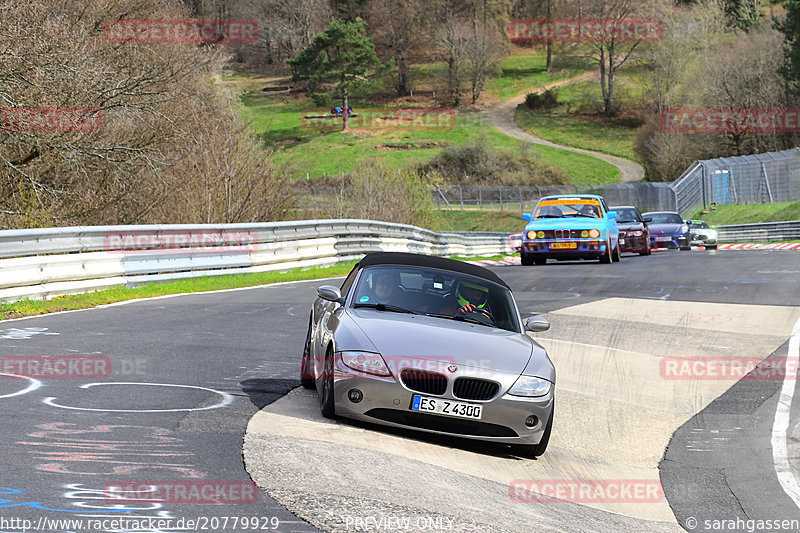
<point x="711" y="247"/>
<point x="526" y="259"/>
<point x="605" y="257"/>
<point x="539" y="260"/>
<point x="616" y="255"/>
<point x="686" y="248"/>
<point x="326" y="405"/>
<point x="535" y="450"/>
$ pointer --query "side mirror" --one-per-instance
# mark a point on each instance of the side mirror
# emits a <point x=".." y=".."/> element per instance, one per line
<point x="537" y="324"/>
<point x="612" y="214"/>
<point x="330" y="294"/>
<point x="527" y="217"/>
<point x="647" y="220"/>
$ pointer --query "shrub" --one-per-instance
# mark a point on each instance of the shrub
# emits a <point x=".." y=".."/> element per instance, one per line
<point x="475" y="164"/>
<point x="545" y="100"/>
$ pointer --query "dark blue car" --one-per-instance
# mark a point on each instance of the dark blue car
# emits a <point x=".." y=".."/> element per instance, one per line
<point x="668" y="230"/>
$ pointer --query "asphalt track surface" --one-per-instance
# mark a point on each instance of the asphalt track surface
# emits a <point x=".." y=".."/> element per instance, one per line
<point x="188" y="373"/>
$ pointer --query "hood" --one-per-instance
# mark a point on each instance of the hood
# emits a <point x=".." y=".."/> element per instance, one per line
<point x="665" y="229"/>
<point x="401" y="338"/>
<point x="630" y="226"/>
<point x="545" y="224"/>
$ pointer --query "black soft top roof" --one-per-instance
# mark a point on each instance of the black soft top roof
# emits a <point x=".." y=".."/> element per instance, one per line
<point x="432" y="261"/>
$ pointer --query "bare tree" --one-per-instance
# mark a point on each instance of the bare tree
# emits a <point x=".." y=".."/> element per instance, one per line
<point x="400" y="28"/>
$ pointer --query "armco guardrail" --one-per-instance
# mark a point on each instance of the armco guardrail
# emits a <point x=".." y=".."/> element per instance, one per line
<point x="762" y="232"/>
<point x="41" y="263"/>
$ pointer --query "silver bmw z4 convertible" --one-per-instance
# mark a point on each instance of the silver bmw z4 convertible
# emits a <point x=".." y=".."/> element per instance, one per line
<point x="431" y="344"/>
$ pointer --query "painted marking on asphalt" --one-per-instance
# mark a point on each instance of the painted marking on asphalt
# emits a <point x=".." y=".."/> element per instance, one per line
<point x="226" y="399"/>
<point x="34" y="384"/>
<point x="780" y="427"/>
<point x="24" y="333"/>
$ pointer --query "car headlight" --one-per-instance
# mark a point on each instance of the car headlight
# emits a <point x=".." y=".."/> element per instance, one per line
<point x="369" y="363"/>
<point x="637" y="233"/>
<point x="594" y="233"/>
<point x="529" y="387"/>
<point x="684" y="229"/>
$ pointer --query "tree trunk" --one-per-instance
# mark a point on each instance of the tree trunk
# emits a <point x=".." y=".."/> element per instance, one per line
<point x="345" y="113"/>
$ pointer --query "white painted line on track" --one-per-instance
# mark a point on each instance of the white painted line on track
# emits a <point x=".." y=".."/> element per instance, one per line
<point x="780" y="452"/>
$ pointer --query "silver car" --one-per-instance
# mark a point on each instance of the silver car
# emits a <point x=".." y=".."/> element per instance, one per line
<point x="702" y="234"/>
<point x="430" y="344"/>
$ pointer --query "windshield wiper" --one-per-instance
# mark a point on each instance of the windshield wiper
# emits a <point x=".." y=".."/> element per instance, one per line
<point x="551" y="216"/>
<point x="460" y="318"/>
<point x="387" y="307"/>
<point x="584" y="215"/>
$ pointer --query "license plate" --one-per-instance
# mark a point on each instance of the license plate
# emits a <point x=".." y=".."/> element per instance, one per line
<point x="661" y="239"/>
<point x="439" y="406"/>
<point x="563" y="245"/>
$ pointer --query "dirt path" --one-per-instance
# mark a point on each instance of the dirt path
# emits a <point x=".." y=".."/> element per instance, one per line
<point x="502" y="117"/>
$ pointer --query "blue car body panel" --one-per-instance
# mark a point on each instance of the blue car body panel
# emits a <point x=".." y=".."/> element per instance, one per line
<point x="567" y="231"/>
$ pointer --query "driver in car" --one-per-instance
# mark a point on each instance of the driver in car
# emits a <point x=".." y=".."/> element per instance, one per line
<point x="589" y="210"/>
<point x="469" y="298"/>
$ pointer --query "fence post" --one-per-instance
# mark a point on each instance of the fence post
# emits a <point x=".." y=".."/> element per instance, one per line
<point x="480" y="197"/>
<point x="461" y="196"/>
<point x="501" y="197"/>
<point x="521" y="204"/>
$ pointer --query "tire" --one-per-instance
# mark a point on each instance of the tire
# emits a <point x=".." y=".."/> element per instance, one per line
<point x="616" y="256"/>
<point x="326" y="404"/>
<point x="711" y="247"/>
<point x="539" y="260"/>
<point x="605" y="258"/>
<point x="648" y="248"/>
<point x="535" y="450"/>
<point x="526" y="259"/>
<point x="306" y="376"/>
<point x="686" y="248"/>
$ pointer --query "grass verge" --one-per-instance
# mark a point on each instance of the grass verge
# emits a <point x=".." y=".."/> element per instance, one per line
<point x="748" y="214"/>
<point x="118" y="294"/>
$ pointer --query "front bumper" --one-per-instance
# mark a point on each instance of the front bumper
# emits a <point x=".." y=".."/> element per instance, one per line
<point x="703" y="240"/>
<point x="632" y="243"/>
<point x="564" y="247"/>
<point x="387" y="401"/>
<point x="670" y="241"/>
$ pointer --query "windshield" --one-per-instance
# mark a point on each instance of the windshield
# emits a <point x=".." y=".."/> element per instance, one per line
<point x="666" y="218"/>
<point x="434" y="292"/>
<point x="567" y="207"/>
<point x="627" y="214"/>
<point x="700" y="225"/>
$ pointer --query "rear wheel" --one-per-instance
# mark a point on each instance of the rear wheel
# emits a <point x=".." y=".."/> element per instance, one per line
<point x="526" y="259"/>
<point x="539" y="260"/>
<point x="326" y="405"/>
<point x="306" y="376"/>
<point x="605" y="257"/>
